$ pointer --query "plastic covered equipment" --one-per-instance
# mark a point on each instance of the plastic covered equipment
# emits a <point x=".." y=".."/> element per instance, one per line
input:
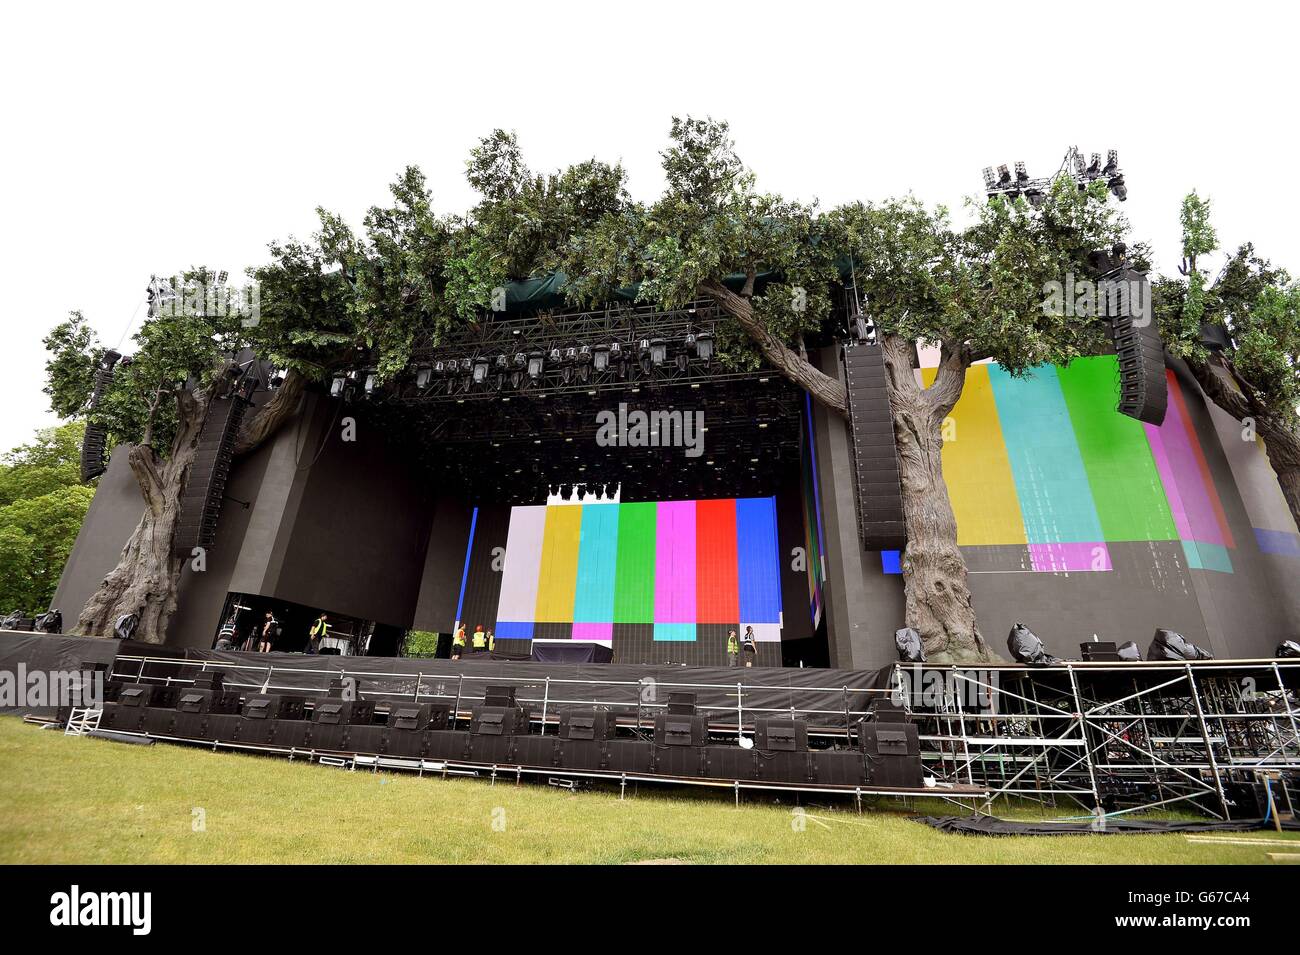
<point x="1129" y="651"/>
<point x="1026" y="648"/>
<point x="910" y="648"/>
<point x="1171" y="645"/>
<point x="124" y="628"/>
<point x="1287" y="648"/>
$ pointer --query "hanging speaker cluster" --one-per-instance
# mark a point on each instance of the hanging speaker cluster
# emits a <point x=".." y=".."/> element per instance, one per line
<point x="94" y="444"/>
<point x="877" y="484"/>
<point x="1143" y="388"/>
<point x="206" y="488"/>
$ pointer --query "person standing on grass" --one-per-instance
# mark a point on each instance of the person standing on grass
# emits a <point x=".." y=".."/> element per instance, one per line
<point x="733" y="648"/>
<point x="751" y="646"/>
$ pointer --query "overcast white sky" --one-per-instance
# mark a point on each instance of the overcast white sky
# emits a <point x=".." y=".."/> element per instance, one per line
<point x="141" y="138"/>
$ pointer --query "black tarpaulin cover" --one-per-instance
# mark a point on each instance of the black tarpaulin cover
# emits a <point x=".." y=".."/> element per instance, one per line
<point x="1026" y="648"/>
<point x="990" y="826"/>
<point x="48" y="652"/>
<point x="1171" y="645"/>
<point x="910" y="648"/>
<point x="571" y="651"/>
<point x="1287" y="648"/>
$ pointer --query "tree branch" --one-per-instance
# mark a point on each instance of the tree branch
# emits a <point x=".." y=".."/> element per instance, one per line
<point x="268" y="419"/>
<point x="825" y="389"/>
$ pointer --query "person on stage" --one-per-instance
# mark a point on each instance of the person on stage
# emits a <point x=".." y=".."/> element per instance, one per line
<point x="479" y="640"/>
<point x="751" y="646"/>
<point x="458" y="642"/>
<point x="319" y="630"/>
<point x="733" y="648"/>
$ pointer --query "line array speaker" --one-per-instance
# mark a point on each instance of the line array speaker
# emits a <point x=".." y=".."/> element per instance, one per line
<point x="206" y="487"/>
<point x="877" y="485"/>
<point x="94" y="444"/>
<point x="1143" y="388"/>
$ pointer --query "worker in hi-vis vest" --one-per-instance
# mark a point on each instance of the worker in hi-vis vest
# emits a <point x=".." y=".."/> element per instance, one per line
<point x="479" y="639"/>
<point x="492" y="641"/>
<point x="733" y="648"/>
<point x="319" y="629"/>
<point x="458" y="642"/>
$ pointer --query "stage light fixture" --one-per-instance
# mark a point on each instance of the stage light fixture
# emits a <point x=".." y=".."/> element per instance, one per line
<point x="480" y="371"/>
<point x="1117" y="187"/>
<point x="681" y="360"/>
<point x="555" y="356"/>
<point x="658" y="351"/>
<point x="371" y="380"/>
<point x="1112" y="162"/>
<point x="1094" y="167"/>
<point x="440" y="367"/>
<point x="990" y="180"/>
<point x="423" y="375"/>
<point x="535" y="360"/>
<point x="1022" y="174"/>
<point x="337" y="385"/>
<point x="1004" y="175"/>
<point x="704" y="346"/>
<point x="600" y="357"/>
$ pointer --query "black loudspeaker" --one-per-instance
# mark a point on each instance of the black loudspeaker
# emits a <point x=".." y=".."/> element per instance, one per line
<point x="136" y="694"/>
<point x="413" y="717"/>
<point x="336" y="712"/>
<point x="274" y="706"/>
<point x="499" y="721"/>
<point x="781" y="736"/>
<point x="681" y="704"/>
<point x="876" y="479"/>
<point x="1125" y="297"/>
<point x="200" y="506"/>
<point x="207" y="701"/>
<point x="588" y="724"/>
<point x="885" y="710"/>
<point x="672" y="729"/>
<point x="1099" y="650"/>
<point x="892" y="752"/>
<point x="210" y="680"/>
<point x="94" y="443"/>
<point x="499" y="696"/>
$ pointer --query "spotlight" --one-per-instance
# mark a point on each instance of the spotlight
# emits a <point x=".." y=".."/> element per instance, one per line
<point x="1022" y="174"/>
<point x="371" y="380"/>
<point x="1004" y="175"/>
<point x="423" y="375"/>
<point x="681" y="360"/>
<point x="440" y="367"/>
<point x="535" y="360"/>
<point x="1094" y="167"/>
<point x="555" y="356"/>
<point x="480" y="371"/>
<point x="1112" y="163"/>
<point x="615" y="351"/>
<point x="1117" y="187"/>
<point x="600" y="357"/>
<point x="704" y="346"/>
<point x="658" y="351"/>
<point x="337" y="385"/>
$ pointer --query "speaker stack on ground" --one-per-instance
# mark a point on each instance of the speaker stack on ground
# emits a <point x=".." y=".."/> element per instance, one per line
<point x="206" y="488"/>
<point x="94" y="443"/>
<point x="891" y="747"/>
<point x="1143" y="388"/>
<point x="876" y="479"/>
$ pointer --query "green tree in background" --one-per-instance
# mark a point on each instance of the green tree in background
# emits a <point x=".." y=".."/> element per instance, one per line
<point x="1256" y="378"/>
<point x="42" y="505"/>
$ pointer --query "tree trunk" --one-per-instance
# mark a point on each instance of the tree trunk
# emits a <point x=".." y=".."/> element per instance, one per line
<point x="1229" y="391"/>
<point x="938" y="600"/>
<point x="147" y="575"/>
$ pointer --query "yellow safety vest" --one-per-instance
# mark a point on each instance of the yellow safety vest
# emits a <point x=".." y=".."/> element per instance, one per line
<point x="320" y="628"/>
<point x="492" y="641"/>
<point x="459" y="639"/>
<point x="480" y="639"/>
<point x="732" y="645"/>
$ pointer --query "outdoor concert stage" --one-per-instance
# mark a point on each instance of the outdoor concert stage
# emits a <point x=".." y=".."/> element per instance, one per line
<point x="1216" y="736"/>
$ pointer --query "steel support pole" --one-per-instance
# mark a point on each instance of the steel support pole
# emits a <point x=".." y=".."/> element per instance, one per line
<point x="1209" y="747"/>
<point x="1083" y="732"/>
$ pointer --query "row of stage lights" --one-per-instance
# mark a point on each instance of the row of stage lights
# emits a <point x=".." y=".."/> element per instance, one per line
<point x="576" y="363"/>
<point x="1082" y="170"/>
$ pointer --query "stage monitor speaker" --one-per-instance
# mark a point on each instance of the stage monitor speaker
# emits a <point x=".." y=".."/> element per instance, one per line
<point x="877" y="482"/>
<point x="275" y="706"/>
<point x="885" y="710"/>
<point x="499" y="696"/>
<point x="775" y="735"/>
<point x="681" y="704"/>
<point x="1125" y="297"/>
<point x="207" y="701"/>
<point x="674" y="729"/>
<point x="336" y="712"/>
<point x="200" y="505"/>
<point x="136" y="695"/>
<point x="499" y="721"/>
<point x="588" y="724"/>
<point x="1099" y="650"/>
<point x="210" y="680"/>
<point x="418" y="717"/>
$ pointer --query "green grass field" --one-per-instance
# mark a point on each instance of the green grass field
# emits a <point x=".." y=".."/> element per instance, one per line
<point x="82" y="800"/>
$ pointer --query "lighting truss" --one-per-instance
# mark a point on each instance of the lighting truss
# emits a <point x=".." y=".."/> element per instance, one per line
<point x="1083" y="170"/>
